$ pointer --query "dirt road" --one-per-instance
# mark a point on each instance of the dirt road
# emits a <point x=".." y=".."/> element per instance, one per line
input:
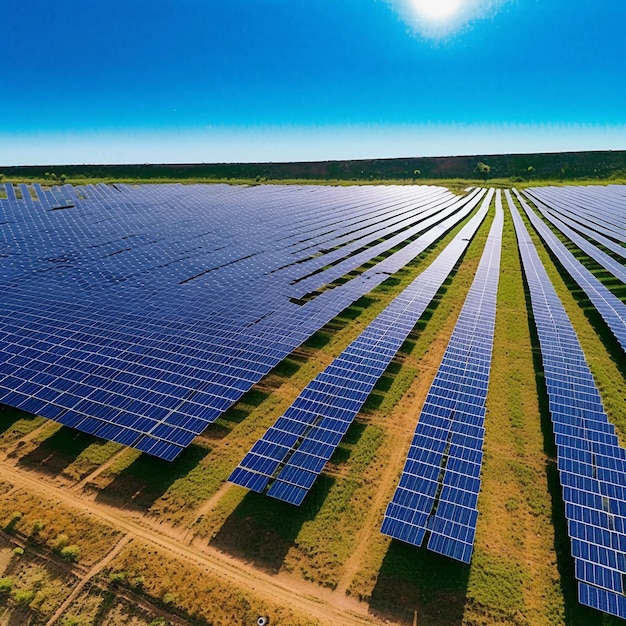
<point x="306" y="598"/>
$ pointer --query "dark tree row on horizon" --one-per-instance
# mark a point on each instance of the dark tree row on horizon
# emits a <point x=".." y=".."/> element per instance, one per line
<point x="540" y="166"/>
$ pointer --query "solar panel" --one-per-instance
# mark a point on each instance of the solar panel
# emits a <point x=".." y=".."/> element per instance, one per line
<point x="600" y="209"/>
<point x="438" y="490"/>
<point x="590" y="459"/>
<point x="140" y="314"/>
<point x="602" y="258"/>
<point x="293" y="451"/>
<point x="557" y="203"/>
<point x="611" y="308"/>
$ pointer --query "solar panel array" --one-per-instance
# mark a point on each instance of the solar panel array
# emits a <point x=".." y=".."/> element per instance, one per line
<point x="606" y="261"/>
<point x="591" y="463"/>
<point x="140" y="314"/>
<point x="438" y="490"/>
<point x="598" y="209"/>
<point x="558" y="203"/>
<point x="295" y="449"/>
<point x="610" y="307"/>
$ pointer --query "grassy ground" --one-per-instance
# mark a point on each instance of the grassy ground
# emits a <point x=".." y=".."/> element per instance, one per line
<point x="39" y="521"/>
<point x="514" y="558"/>
<point x="32" y="583"/>
<point x="456" y="185"/>
<point x="205" y="598"/>
<point x="33" y="586"/>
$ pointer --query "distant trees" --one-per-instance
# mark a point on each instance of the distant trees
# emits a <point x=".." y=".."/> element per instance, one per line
<point x="52" y="177"/>
<point x="483" y="170"/>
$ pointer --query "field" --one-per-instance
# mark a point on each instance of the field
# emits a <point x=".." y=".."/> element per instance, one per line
<point x="96" y="533"/>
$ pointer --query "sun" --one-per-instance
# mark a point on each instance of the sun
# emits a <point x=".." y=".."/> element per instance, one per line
<point x="442" y="19"/>
<point x="437" y="10"/>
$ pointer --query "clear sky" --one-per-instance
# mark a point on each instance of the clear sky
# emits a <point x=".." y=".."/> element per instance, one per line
<point x="134" y="81"/>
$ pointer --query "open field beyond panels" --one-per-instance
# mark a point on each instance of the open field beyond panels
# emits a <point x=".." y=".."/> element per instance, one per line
<point x="162" y="330"/>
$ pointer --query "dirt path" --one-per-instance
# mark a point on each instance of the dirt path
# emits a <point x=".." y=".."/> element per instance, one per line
<point x="94" y="571"/>
<point x="79" y="486"/>
<point x="400" y="427"/>
<point x="208" y="506"/>
<point x="301" y="596"/>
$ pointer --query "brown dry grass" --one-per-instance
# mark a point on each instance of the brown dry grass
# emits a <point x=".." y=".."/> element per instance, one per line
<point x="52" y="524"/>
<point x="195" y="590"/>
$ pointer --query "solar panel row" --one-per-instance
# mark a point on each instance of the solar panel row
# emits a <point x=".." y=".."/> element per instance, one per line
<point x="611" y="308"/>
<point x="591" y="462"/>
<point x="293" y="451"/>
<point x="558" y="204"/>
<point x="606" y="261"/>
<point x="438" y="489"/>
<point x="600" y="209"/>
<point x="353" y="258"/>
<point x="141" y="314"/>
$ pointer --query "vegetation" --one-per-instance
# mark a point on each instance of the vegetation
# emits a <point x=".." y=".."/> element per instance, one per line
<point x="483" y="170"/>
<point x="58" y="526"/>
<point x="33" y="587"/>
<point x="196" y="591"/>
<point x="572" y="166"/>
<point x="15" y="424"/>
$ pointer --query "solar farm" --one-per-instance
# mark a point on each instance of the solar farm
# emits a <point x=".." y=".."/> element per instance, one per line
<point x="353" y="405"/>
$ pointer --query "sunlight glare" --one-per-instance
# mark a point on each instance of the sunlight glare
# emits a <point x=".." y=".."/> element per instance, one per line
<point x="440" y="19"/>
<point x="437" y="10"/>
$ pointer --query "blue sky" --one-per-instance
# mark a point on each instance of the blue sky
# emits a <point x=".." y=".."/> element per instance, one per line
<point x="278" y="80"/>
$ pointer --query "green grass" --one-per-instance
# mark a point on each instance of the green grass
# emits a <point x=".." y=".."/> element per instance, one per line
<point x="513" y="577"/>
<point x="561" y="601"/>
<point x="91" y="458"/>
<point x="326" y="541"/>
<point x="455" y="185"/>
<point x="14" y="424"/>
<point x="50" y="524"/>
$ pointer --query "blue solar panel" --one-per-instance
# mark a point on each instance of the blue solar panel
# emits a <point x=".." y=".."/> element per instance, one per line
<point x="595" y="212"/>
<point x="609" y="263"/>
<point x="611" y="308"/>
<point x="327" y="406"/>
<point x="441" y="476"/>
<point x="590" y="460"/>
<point x="602" y="599"/>
<point x="155" y="308"/>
